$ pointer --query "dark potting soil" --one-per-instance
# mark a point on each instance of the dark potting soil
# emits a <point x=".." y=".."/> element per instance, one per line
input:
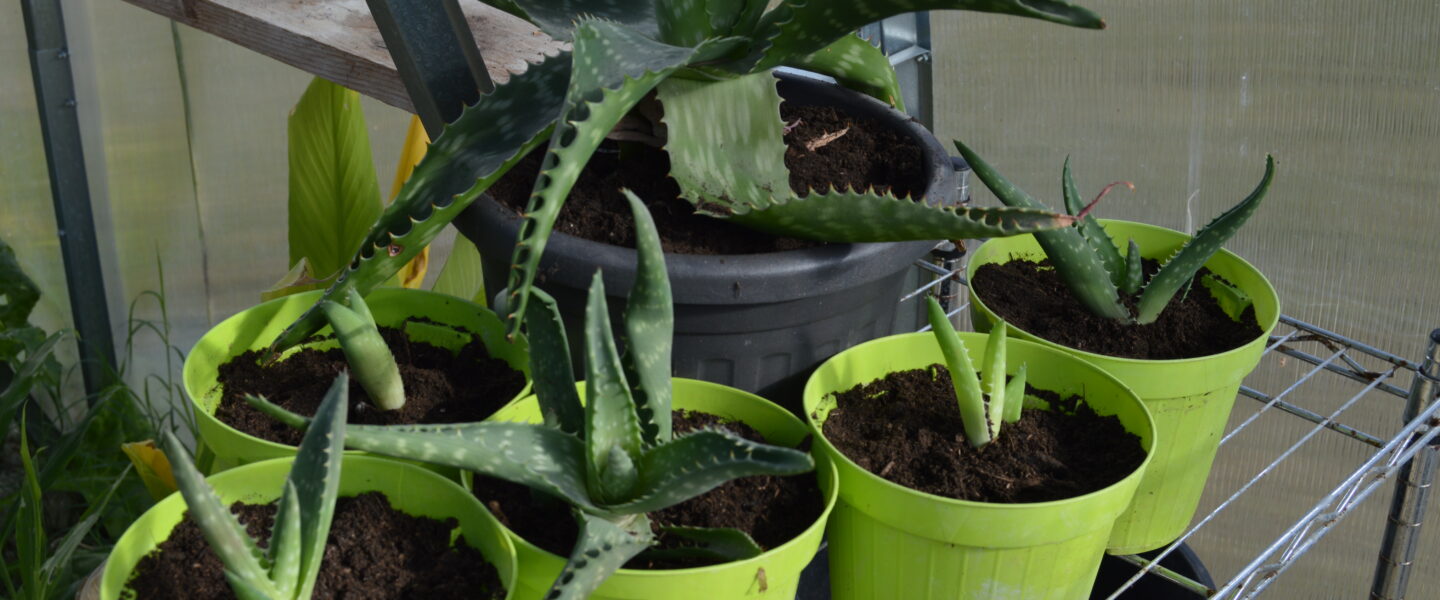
<point x="373" y="552"/>
<point x="906" y="428"/>
<point x="1032" y="296"/>
<point x="440" y="387"/>
<point x="773" y="510"/>
<point x="867" y="155"/>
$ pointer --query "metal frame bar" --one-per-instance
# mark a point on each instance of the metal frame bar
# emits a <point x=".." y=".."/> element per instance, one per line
<point x="1413" y="453"/>
<point x="436" y="56"/>
<point x="70" y="190"/>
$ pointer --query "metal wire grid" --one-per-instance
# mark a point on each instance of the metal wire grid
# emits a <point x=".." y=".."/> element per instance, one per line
<point x="1337" y="356"/>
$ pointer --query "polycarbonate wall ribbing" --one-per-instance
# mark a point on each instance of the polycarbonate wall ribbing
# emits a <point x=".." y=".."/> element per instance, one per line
<point x="1185" y="98"/>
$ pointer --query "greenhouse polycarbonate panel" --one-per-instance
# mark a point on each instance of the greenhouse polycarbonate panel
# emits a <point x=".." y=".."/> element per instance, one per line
<point x="1185" y="99"/>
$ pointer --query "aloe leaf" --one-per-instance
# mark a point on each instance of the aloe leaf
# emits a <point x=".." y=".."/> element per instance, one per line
<point x="616" y="68"/>
<point x="366" y="351"/>
<point x="993" y="377"/>
<point x="848" y="216"/>
<point x="1134" y="269"/>
<point x="799" y="27"/>
<point x="683" y="22"/>
<point x="726" y="142"/>
<point x="1231" y="298"/>
<point x="1075" y="260"/>
<point x="1090" y="229"/>
<point x="284" y="550"/>
<point x="1181" y="267"/>
<point x="694" y="464"/>
<point x="718" y="544"/>
<point x="1015" y="395"/>
<point x="247" y="590"/>
<point x="856" y="64"/>
<point x="561" y="19"/>
<point x="479" y="147"/>
<point x="610" y="418"/>
<point x="962" y="375"/>
<point x="604" y="546"/>
<point x="649" y="329"/>
<point x="550" y="366"/>
<point x="222" y="531"/>
<point x="334" y="195"/>
<point x="531" y="455"/>
<point x="315" y="479"/>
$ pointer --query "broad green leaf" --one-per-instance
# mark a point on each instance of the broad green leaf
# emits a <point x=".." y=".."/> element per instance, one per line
<point x="334" y="196"/>
<point x="649" y="329"/>
<point x="611" y="424"/>
<point x="796" y="28"/>
<point x="1082" y="270"/>
<point x="726" y="142"/>
<point x="1181" y="268"/>
<point x="694" y="464"/>
<point x="480" y="146"/>
<point x="856" y="64"/>
<point x="462" y="276"/>
<point x="551" y="369"/>
<point x="604" y="546"/>
<point x="614" y="69"/>
<point x="300" y="278"/>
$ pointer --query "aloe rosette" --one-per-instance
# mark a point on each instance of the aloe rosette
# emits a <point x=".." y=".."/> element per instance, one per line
<point x="612" y="458"/>
<point x="708" y="62"/>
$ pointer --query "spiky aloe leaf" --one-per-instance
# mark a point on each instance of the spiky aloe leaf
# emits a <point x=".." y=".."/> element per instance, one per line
<point x="246" y="590"/>
<point x="799" y="27"/>
<point x="1075" y="260"/>
<point x="1230" y="297"/>
<point x="284" y="550"/>
<point x="538" y="457"/>
<point x="696" y="463"/>
<point x="550" y="366"/>
<point x="480" y="146"/>
<point x="649" y="329"/>
<point x="1134" y="269"/>
<point x="683" y="22"/>
<point x="858" y="65"/>
<point x="222" y="531"/>
<point x="993" y="377"/>
<point x="962" y="375"/>
<point x="314" y="481"/>
<point x="604" y="546"/>
<point x="610" y="419"/>
<point x="615" y="68"/>
<point x="847" y="216"/>
<point x="718" y="544"/>
<point x="366" y="352"/>
<point x="725" y="142"/>
<point x="1015" y="395"/>
<point x="1181" y="267"/>
<point x="1090" y="229"/>
<point x="561" y="19"/>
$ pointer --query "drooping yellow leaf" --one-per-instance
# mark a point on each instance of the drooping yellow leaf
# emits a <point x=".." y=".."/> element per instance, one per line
<point x="416" y="140"/>
<point x="153" y="467"/>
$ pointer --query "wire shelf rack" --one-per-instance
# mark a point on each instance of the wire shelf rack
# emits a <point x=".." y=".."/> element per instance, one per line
<point x="1408" y="455"/>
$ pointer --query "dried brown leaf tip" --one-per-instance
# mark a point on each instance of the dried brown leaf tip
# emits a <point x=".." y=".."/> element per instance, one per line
<point x="824" y="140"/>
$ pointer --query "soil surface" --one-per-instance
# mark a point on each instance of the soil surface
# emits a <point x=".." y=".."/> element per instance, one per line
<point x="1032" y="296"/>
<point x="373" y="552"/>
<point x="440" y="387"/>
<point x="906" y="428"/>
<point x="868" y="154"/>
<point x="773" y="510"/>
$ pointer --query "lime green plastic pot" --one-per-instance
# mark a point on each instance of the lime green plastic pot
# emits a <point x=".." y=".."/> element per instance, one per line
<point x="888" y="541"/>
<point x="1189" y="398"/>
<point x="774" y="574"/>
<point x="257" y="327"/>
<point x="410" y="489"/>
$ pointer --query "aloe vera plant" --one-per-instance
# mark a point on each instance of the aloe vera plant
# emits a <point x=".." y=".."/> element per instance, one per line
<point x="1090" y="263"/>
<point x="612" y="458"/>
<point x="366" y="351"/>
<point x="287" y="569"/>
<point x="986" y="400"/>
<point x="710" y="60"/>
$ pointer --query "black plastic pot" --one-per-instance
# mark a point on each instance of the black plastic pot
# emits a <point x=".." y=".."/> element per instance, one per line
<point x="759" y="322"/>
